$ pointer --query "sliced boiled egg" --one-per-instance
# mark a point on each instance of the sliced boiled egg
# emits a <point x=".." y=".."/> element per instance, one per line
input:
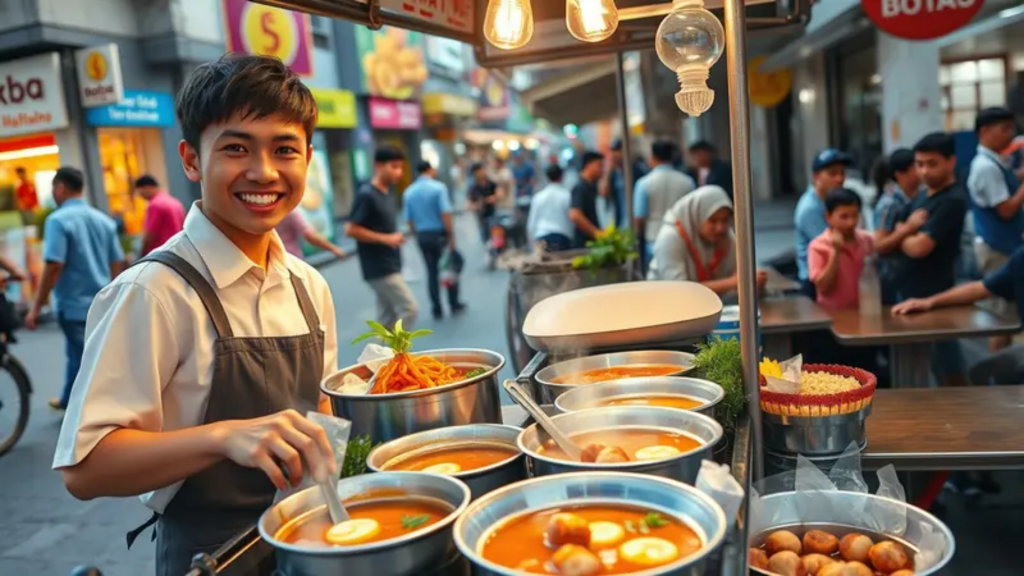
<point x="354" y="531"/>
<point x="444" y="468"/>
<point x="605" y="534"/>
<point x="657" y="452"/>
<point x="649" y="551"/>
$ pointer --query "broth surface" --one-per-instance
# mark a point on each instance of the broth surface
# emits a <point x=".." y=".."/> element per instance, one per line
<point x="631" y="440"/>
<point x="397" y="517"/>
<point x="522" y="543"/>
<point x="617" y="372"/>
<point x="679" y="402"/>
<point x="465" y="456"/>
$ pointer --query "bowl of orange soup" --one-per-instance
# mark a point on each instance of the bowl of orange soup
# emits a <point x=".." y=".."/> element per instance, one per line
<point x="400" y="525"/>
<point x="677" y="392"/>
<point x="644" y="439"/>
<point x="591" y="524"/>
<point x="484" y="456"/>
<point x="561" y="377"/>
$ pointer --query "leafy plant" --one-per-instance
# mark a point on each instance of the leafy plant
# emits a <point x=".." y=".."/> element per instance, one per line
<point x="610" y="247"/>
<point x="355" y="456"/>
<point x="398" y="339"/>
<point x="720" y="362"/>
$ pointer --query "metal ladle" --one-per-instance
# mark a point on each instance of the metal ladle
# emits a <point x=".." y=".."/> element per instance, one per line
<point x="523" y="398"/>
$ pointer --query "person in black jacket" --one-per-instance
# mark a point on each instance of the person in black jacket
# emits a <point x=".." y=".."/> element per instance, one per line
<point x="706" y="169"/>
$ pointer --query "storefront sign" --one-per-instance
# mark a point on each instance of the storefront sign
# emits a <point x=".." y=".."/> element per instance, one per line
<point x="494" y="100"/>
<point x="768" y="89"/>
<point x="139" y="108"/>
<point x="392" y="62"/>
<point x="392" y="115"/>
<point x="453" y="104"/>
<point x="446" y="54"/>
<point x="336" y="108"/>
<point x="260" y="29"/>
<point x="920" y="19"/>
<point x="455" y="15"/>
<point x="32" y="96"/>
<point x="99" y="75"/>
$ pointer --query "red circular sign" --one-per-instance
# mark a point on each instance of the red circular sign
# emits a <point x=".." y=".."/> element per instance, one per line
<point x="920" y="19"/>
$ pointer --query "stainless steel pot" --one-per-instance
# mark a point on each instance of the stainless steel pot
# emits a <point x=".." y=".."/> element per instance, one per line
<point x="845" y="512"/>
<point x="550" y="390"/>
<point x="480" y="481"/>
<point x="683" y="467"/>
<point x="668" y="497"/>
<point x="411" y="555"/>
<point x="585" y="397"/>
<point x="820" y="436"/>
<point x="384" y="417"/>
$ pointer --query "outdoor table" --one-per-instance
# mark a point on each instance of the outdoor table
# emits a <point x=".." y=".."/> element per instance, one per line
<point x="783" y="317"/>
<point x="778" y="284"/>
<point x="910" y="336"/>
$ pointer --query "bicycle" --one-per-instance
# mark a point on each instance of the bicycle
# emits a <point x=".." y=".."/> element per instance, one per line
<point x="16" y="409"/>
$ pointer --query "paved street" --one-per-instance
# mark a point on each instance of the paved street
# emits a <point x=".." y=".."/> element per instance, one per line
<point x="44" y="531"/>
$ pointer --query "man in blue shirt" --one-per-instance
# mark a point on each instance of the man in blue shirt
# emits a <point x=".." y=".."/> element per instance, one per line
<point x="828" y="173"/>
<point x="83" y="254"/>
<point x="428" y="212"/>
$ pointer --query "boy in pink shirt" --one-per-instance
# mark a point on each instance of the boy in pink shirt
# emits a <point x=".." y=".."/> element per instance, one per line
<point x="165" y="215"/>
<point x="835" y="259"/>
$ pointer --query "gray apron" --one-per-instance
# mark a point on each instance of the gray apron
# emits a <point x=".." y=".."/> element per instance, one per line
<point x="252" y="378"/>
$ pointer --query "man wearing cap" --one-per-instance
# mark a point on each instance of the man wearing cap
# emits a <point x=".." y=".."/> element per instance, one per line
<point x="996" y="196"/>
<point x="829" y="173"/>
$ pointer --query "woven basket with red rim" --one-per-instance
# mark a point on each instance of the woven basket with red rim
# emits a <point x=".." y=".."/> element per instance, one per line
<point x="822" y="404"/>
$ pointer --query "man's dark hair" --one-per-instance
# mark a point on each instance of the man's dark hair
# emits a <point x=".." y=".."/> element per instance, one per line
<point x="881" y="174"/>
<point x="937" y="143"/>
<point x="591" y="156"/>
<point x="663" y="150"/>
<point x="71" y="178"/>
<point x="617" y="145"/>
<point x="422" y="167"/>
<point x="841" y="197"/>
<point x="146" y="180"/>
<point x="702" y="146"/>
<point x="554" y="173"/>
<point x="901" y="160"/>
<point x="20" y="170"/>
<point x="386" y="154"/>
<point x="253" y="86"/>
<point x="990" y="116"/>
<point x="476" y="167"/>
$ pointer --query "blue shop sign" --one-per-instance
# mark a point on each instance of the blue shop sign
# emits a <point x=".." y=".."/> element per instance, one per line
<point x="140" y="109"/>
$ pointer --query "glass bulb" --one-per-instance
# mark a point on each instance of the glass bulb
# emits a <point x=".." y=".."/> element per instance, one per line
<point x="689" y="42"/>
<point x="508" y="24"/>
<point x="591" y="20"/>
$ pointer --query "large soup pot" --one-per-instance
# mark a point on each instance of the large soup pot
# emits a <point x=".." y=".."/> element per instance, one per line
<point x="702" y="514"/>
<point x="384" y="417"/>
<point x="550" y="389"/>
<point x="683" y="468"/>
<point x="706" y="392"/>
<point x="411" y="555"/>
<point x="481" y="480"/>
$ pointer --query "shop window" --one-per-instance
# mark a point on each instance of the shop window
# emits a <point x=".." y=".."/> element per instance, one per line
<point x="321" y="32"/>
<point x="969" y="86"/>
<point x="123" y="159"/>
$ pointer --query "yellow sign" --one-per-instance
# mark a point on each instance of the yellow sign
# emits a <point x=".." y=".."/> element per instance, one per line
<point x="96" y="66"/>
<point x="336" y="108"/>
<point x="256" y="28"/>
<point x="768" y="89"/>
<point x="441" y="103"/>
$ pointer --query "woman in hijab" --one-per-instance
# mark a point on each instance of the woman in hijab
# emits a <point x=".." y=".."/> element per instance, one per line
<point x="696" y="242"/>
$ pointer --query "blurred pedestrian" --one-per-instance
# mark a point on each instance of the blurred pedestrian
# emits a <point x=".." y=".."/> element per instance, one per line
<point x="549" y="221"/>
<point x="165" y="216"/>
<point x="612" y="198"/>
<point x="707" y="169"/>
<point x="294" y="228"/>
<point x="482" y="196"/>
<point x="656" y="193"/>
<point x="505" y="181"/>
<point x="900" y="185"/>
<point x="525" y="175"/>
<point x="828" y="173"/>
<point x="82" y="253"/>
<point x="26" y="195"/>
<point x="373" y="224"/>
<point x="583" y="210"/>
<point x="428" y="212"/>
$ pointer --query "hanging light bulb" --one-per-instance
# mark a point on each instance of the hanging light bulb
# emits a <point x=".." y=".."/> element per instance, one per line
<point x="591" y="20"/>
<point x="690" y="40"/>
<point x="508" y="24"/>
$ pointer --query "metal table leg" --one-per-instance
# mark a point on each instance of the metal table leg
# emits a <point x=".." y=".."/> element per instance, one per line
<point x="910" y="365"/>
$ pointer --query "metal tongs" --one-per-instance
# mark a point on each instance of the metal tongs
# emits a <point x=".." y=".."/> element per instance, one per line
<point x="523" y="398"/>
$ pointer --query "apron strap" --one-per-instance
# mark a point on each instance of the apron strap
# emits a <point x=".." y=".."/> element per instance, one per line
<point x="130" y="537"/>
<point x="312" y="320"/>
<point x="202" y="287"/>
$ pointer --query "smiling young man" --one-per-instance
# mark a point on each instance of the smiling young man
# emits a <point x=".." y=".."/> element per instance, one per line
<point x="200" y="358"/>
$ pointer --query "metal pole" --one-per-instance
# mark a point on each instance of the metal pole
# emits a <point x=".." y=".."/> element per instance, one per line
<point x="627" y="154"/>
<point x="739" y="121"/>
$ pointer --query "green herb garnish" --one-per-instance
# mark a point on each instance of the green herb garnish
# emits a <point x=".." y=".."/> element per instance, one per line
<point x="397" y="339"/>
<point x="655" y="520"/>
<point x="410" y="522"/>
<point x="355" y="456"/>
<point x="719" y="361"/>
<point x="475" y="372"/>
<point x="630" y="526"/>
